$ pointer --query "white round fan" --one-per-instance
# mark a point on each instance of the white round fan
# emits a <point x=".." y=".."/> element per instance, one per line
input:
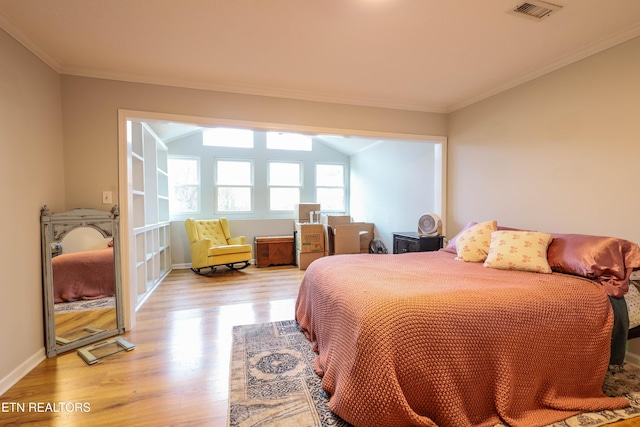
<point x="429" y="224"/>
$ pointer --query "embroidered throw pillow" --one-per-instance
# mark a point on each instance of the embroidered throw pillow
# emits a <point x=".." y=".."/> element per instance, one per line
<point x="632" y="298"/>
<point x="451" y="244"/>
<point x="472" y="244"/>
<point x="519" y="250"/>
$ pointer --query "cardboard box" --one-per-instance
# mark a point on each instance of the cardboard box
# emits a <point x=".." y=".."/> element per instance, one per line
<point x="366" y="235"/>
<point x="304" y="259"/>
<point x="346" y="239"/>
<point x="301" y="211"/>
<point x="334" y="220"/>
<point x="309" y="237"/>
<point x="328" y="239"/>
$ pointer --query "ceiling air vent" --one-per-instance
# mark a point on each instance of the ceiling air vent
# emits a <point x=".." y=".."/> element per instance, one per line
<point x="536" y="9"/>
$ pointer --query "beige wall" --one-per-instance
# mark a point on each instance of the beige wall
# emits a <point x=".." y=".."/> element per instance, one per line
<point x="90" y="109"/>
<point x="31" y="173"/>
<point x="558" y="154"/>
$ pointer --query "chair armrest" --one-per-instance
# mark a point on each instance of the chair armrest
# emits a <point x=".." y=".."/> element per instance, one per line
<point x="239" y="240"/>
<point x="199" y="252"/>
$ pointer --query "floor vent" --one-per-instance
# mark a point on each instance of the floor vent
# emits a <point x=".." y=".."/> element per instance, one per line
<point x="536" y="9"/>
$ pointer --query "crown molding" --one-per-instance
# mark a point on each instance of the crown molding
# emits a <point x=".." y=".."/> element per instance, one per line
<point x="255" y="90"/>
<point x="29" y="44"/>
<point x="575" y="56"/>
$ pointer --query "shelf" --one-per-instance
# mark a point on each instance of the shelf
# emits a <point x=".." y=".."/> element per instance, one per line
<point x="136" y="138"/>
<point x="137" y="174"/>
<point x="138" y="210"/>
<point x="163" y="185"/>
<point x="150" y="205"/>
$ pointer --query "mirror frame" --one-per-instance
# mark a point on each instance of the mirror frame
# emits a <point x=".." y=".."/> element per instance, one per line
<point x="54" y="226"/>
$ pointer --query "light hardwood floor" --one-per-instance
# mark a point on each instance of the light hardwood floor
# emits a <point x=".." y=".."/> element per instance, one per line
<point x="178" y="373"/>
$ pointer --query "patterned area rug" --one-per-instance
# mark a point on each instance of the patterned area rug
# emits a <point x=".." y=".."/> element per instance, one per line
<point x="273" y="383"/>
<point x="85" y="305"/>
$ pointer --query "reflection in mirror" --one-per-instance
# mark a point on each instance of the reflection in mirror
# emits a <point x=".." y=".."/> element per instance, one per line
<point x="83" y="285"/>
<point x="81" y="275"/>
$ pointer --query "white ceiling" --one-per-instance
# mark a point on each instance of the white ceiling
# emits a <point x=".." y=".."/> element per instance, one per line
<point x="424" y="55"/>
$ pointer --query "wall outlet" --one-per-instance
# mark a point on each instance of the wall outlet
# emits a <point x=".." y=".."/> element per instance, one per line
<point x="107" y="197"/>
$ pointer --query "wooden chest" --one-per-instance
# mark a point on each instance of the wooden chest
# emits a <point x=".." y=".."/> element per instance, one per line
<point x="274" y="250"/>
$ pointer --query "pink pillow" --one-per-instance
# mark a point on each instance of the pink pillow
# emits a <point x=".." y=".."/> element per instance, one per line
<point x="607" y="260"/>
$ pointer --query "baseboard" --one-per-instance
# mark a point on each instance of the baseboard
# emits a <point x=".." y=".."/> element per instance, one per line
<point x="19" y="372"/>
<point x="151" y="290"/>
<point x="632" y="358"/>
<point x="180" y="266"/>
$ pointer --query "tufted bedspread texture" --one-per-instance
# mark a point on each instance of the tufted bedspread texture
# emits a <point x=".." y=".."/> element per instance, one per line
<point x="83" y="275"/>
<point x="420" y="339"/>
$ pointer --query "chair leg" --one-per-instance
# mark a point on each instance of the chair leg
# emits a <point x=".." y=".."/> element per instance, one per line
<point x="202" y="273"/>
<point x="233" y="267"/>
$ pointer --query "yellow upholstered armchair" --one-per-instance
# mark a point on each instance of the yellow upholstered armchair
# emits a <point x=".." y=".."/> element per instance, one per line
<point x="211" y="245"/>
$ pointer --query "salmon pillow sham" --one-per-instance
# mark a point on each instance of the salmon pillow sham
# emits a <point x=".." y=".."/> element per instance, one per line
<point x="607" y="260"/>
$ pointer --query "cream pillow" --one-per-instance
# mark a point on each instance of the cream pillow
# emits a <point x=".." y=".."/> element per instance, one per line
<point x="472" y="244"/>
<point x="632" y="298"/>
<point x="519" y="250"/>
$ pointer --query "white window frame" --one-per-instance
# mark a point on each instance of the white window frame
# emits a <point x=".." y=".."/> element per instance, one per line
<point x="283" y="144"/>
<point x="270" y="186"/>
<point x="208" y="139"/>
<point x="217" y="186"/>
<point x="343" y="187"/>
<point x="198" y="185"/>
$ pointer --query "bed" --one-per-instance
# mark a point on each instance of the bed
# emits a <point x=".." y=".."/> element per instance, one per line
<point x="431" y="339"/>
<point x="83" y="275"/>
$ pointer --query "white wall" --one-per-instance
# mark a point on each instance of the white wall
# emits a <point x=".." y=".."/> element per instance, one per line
<point x="260" y="222"/>
<point x="392" y="184"/>
<point x="192" y="146"/>
<point x="32" y="174"/>
<point x="557" y="154"/>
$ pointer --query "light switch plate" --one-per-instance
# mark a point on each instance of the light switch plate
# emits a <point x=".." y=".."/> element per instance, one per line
<point x="107" y="197"/>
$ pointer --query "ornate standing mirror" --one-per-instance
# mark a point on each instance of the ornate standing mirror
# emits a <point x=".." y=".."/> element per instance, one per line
<point x="81" y="278"/>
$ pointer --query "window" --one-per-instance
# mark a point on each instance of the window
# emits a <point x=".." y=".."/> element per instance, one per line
<point x="184" y="184"/>
<point x="330" y="187"/>
<point x="228" y="137"/>
<point x="288" y="141"/>
<point x="234" y="185"/>
<point x="284" y="185"/>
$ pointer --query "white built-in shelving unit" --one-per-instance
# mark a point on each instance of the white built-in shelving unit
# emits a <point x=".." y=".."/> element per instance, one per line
<point x="150" y="202"/>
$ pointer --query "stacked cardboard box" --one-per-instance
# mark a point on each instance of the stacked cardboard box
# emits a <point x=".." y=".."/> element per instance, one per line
<point x="309" y="243"/>
<point x="302" y="211"/>
<point x="366" y="235"/>
<point x="345" y="237"/>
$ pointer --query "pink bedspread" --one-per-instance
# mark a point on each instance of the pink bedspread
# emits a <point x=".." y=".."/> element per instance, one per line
<point x="83" y="275"/>
<point x="420" y="339"/>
